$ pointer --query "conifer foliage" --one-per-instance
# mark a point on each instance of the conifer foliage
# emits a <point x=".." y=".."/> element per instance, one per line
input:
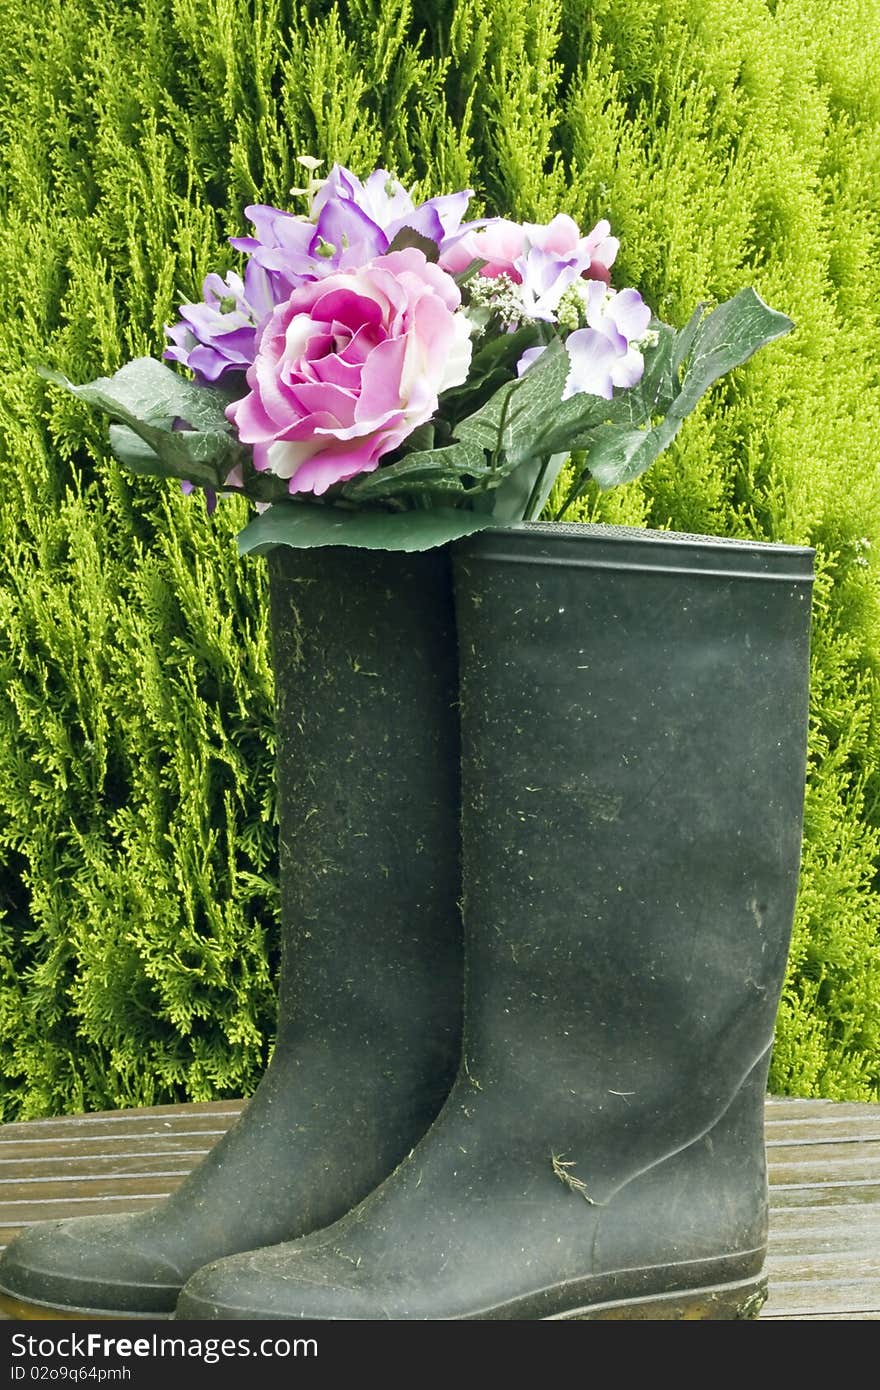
<point x="729" y="142"/>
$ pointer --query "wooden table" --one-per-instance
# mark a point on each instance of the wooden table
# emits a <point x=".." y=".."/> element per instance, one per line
<point x="824" y="1162"/>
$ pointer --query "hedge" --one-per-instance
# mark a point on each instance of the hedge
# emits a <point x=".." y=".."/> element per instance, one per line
<point x="729" y="142"/>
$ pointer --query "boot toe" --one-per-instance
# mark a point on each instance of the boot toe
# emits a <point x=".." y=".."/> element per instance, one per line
<point x="279" y="1283"/>
<point x="88" y="1265"/>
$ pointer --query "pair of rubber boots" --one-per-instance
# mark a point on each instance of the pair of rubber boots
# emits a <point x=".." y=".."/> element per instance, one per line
<point x="586" y="744"/>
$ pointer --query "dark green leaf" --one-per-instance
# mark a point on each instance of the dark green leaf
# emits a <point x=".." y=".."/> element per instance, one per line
<point x="408" y="236"/>
<point x="493" y="365"/>
<point x="513" y="420"/>
<point x="503" y="351"/>
<point x="131" y="451"/>
<point x="305" y="525"/>
<point x="148" y="390"/>
<point x="470" y="270"/>
<point x="684" y="340"/>
<point x="421" y="438"/>
<point x="423" y="470"/>
<point x="617" y="456"/>
<point x="523" y="493"/>
<point x="725" y="339"/>
<point x="149" y="398"/>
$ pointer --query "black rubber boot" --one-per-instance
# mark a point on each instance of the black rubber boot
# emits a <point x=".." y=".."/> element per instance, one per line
<point x="634" y="715"/>
<point x="370" y="1007"/>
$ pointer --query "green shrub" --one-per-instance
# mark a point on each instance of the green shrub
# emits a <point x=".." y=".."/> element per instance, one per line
<point x="730" y="142"/>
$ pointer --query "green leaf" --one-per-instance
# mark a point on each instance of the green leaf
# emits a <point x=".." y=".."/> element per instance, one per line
<point x="617" y="456"/>
<point x="304" y="525"/>
<point x="513" y="421"/>
<point x="726" y="338"/>
<point x="523" y="493"/>
<point x="684" y="340"/>
<point x="408" y="236"/>
<point x="149" y="399"/>
<point x="152" y="392"/>
<point x="470" y="270"/>
<point x="423" y="470"/>
<point x="503" y="351"/>
<point x="131" y="451"/>
<point x="493" y="365"/>
<point x="422" y="437"/>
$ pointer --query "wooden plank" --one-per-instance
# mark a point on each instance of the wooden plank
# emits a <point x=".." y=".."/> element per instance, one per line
<point x="98" y="1127"/>
<point x="790" y="1133"/>
<point x="811" y="1164"/>
<point x="870" y="1316"/>
<point x="14" y="1216"/>
<point x="804" y="1311"/>
<point x="56" y="1188"/>
<point x="850" y="1194"/>
<point x="780" y="1108"/>
<point x="863" y="1266"/>
<point x="793" y="1299"/>
<point x="125" y="1116"/>
<point x="805" y="1231"/>
<point x="36" y="1156"/>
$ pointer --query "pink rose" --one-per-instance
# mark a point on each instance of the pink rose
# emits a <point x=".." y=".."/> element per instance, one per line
<point x="349" y="366"/>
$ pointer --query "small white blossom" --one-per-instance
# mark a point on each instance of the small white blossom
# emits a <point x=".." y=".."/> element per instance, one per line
<point x="571" y="311"/>
<point x="308" y="161"/>
<point x="497" y="297"/>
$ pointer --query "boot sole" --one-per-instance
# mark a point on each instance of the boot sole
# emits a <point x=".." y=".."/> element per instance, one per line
<point x="728" y="1302"/>
<point x="732" y="1302"/>
<point x="26" y="1310"/>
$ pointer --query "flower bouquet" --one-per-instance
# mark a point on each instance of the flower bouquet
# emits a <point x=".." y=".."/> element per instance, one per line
<point x="385" y="374"/>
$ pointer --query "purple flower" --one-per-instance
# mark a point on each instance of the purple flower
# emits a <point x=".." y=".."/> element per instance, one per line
<point x="605" y="354"/>
<point x="219" y="335"/>
<point x="596" y="251"/>
<point x="349" y="223"/>
<point x="543" y="257"/>
<point x="349" y="366"/>
<point x="283" y="247"/>
<point x="544" y="277"/>
<point x="382" y="198"/>
<point x="556" y="256"/>
<point x="388" y="206"/>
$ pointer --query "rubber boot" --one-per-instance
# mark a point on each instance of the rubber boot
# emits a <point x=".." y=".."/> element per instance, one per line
<point x="369" y="1024"/>
<point x="634" y="716"/>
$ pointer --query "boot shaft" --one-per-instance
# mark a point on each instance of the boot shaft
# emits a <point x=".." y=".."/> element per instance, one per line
<point x="367" y="761"/>
<point x="634" y="718"/>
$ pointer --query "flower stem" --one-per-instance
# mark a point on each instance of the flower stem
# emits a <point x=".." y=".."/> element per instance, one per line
<point x="536" y="490"/>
